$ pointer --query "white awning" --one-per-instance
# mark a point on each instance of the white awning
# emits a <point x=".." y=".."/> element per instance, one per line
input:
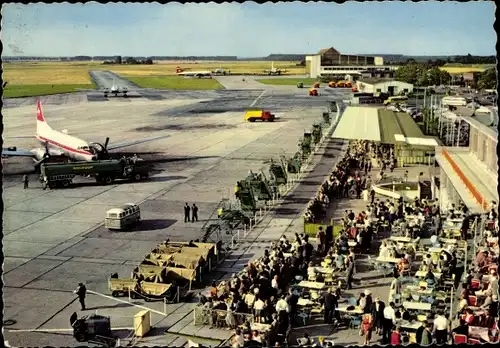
<point x="358" y="123"/>
<point x="422" y="141"/>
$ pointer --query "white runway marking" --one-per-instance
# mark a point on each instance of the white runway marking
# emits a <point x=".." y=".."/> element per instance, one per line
<point x="257" y="99"/>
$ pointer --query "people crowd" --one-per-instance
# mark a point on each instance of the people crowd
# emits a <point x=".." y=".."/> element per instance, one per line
<point x="262" y="303"/>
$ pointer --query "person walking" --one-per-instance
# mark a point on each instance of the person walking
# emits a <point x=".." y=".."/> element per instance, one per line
<point x="187" y="210"/>
<point x="330" y="303"/>
<point x="25" y="181"/>
<point x="350" y="273"/>
<point x="81" y="291"/>
<point x="194" y="209"/>
<point x="389" y="321"/>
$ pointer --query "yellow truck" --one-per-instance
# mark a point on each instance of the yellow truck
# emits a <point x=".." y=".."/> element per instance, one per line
<point x="254" y="115"/>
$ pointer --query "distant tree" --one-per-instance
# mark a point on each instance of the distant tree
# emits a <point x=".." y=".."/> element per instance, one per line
<point x="408" y="73"/>
<point x="130" y="60"/>
<point x="148" y="61"/>
<point x="487" y="79"/>
<point x="118" y="60"/>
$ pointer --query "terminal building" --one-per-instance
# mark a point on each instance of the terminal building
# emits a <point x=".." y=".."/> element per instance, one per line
<point x="469" y="174"/>
<point x="329" y="61"/>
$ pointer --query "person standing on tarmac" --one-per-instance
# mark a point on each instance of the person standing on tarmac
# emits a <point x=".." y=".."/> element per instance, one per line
<point x="26" y="181"/>
<point x="187" y="210"/>
<point x="81" y="291"/>
<point x="195" y="213"/>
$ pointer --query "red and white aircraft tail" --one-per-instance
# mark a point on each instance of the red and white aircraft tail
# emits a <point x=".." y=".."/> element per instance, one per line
<point x="41" y="125"/>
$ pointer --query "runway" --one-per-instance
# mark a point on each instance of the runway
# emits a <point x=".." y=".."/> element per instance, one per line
<point x="54" y="239"/>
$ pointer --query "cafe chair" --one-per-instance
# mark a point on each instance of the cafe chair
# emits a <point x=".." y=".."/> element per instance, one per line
<point x="474" y="341"/>
<point x="328" y="279"/>
<point x="459" y="339"/>
<point x="355" y="322"/>
<point x="475" y="284"/>
<point x="472" y="301"/>
<point x="314" y="295"/>
<point x="423" y="317"/>
<point x="304" y="316"/>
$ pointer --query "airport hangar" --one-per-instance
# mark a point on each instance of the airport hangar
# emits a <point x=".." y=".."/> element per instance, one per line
<point x="380" y="85"/>
<point x="329" y="61"/>
<point x="466" y="174"/>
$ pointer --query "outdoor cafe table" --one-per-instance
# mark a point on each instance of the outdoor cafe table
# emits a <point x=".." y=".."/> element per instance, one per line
<point x="400" y="239"/>
<point x="479" y="332"/>
<point x="418" y="306"/>
<point x="312" y="285"/>
<point x="413" y="325"/>
<point x="304" y="302"/>
<point x="325" y="270"/>
<point x="344" y="309"/>
<point x="421" y="274"/>
<point x="434" y="250"/>
<point x="388" y="259"/>
<point x="260" y="327"/>
<point x="416" y="289"/>
<point x="352" y="243"/>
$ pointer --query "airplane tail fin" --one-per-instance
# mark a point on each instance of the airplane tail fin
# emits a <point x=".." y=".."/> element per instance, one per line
<point x="41" y="124"/>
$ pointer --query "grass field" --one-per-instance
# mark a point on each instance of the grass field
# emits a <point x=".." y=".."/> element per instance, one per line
<point x="175" y="82"/>
<point x="42" y="78"/>
<point x="13" y="91"/>
<point x="460" y="69"/>
<point x="287" y="81"/>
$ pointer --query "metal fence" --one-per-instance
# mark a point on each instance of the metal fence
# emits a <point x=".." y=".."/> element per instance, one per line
<point x="220" y="318"/>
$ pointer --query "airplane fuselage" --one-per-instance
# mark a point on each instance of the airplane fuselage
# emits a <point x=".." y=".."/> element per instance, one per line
<point x="72" y="147"/>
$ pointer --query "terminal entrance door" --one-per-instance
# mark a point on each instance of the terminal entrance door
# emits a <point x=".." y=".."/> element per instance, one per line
<point x="390" y="89"/>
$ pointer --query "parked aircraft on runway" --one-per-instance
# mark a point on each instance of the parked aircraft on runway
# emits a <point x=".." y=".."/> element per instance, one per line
<point x="114" y="90"/>
<point x="198" y="74"/>
<point x="61" y="144"/>
<point x="274" y="71"/>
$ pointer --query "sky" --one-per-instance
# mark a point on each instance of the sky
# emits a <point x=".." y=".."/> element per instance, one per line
<point x="249" y="29"/>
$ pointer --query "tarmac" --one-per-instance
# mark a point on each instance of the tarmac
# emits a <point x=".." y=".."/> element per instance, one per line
<point x="54" y="239"/>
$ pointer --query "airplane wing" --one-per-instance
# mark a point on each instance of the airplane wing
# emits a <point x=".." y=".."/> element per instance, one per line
<point x="13" y="152"/>
<point x="134" y="142"/>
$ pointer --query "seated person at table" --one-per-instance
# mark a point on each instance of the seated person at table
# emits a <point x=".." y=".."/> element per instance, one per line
<point x="319" y="278"/>
<point x="430" y="278"/>
<point x="311" y="271"/>
<point x="462" y="305"/>
<point x="435" y="242"/>
<point x="487" y="301"/>
<point x="257" y="337"/>
<point x="403" y="265"/>
<point x="442" y="264"/>
<point x="305" y="341"/>
<point x="340" y="262"/>
<point x="469" y="317"/>
<point x="396" y="337"/>
<point x="427" y="263"/>
<point x="396" y="286"/>
<point x="462" y="328"/>
<point x="405" y="315"/>
<point x="384" y="251"/>
<point x="482" y="258"/>
<point x="493" y="310"/>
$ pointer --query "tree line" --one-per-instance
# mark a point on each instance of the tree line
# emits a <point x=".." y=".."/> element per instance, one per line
<point x="425" y="74"/>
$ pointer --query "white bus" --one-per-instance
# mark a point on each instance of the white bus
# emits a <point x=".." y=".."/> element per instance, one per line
<point x="455" y="101"/>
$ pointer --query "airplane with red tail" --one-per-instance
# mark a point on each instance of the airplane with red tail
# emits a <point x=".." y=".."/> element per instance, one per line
<point x="58" y="144"/>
